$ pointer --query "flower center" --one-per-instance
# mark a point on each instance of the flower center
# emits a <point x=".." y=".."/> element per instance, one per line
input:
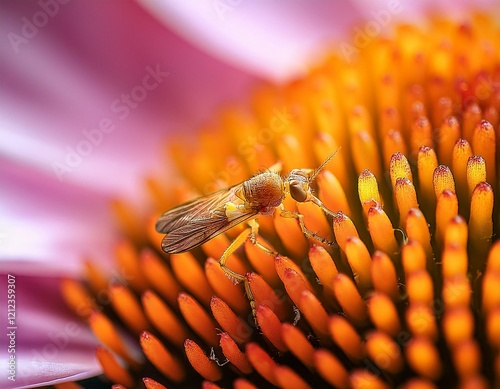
<point x="408" y="296"/>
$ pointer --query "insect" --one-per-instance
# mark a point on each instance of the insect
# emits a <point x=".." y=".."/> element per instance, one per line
<point x="191" y="224"/>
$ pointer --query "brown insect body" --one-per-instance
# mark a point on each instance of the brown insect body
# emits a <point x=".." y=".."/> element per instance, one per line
<point x="264" y="192"/>
<point x="191" y="224"/>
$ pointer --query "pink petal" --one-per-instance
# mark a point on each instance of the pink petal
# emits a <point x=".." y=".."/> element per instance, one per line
<point x="415" y="10"/>
<point x="280" y="39"/>
<point x="275" y="39"/>
<point x="47" y="229"/>
<point x="51" y="344"/>
<point x="62" y="83"/>
<point x="66" y="78"/>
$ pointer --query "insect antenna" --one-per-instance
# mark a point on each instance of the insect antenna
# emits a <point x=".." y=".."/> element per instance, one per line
<point x="316" y="172"/>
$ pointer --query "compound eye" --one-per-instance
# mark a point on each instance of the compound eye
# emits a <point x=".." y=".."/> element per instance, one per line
<point x="298" y="192"/>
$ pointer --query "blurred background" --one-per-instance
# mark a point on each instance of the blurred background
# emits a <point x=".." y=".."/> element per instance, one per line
<point x="91" y="92"/>
<point x="82" y="119"/>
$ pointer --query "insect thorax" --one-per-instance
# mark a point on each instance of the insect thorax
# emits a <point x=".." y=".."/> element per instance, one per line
<point x="264" y="191"/>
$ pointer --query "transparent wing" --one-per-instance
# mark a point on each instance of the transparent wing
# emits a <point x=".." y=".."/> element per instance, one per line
<point x="193" y="223"/>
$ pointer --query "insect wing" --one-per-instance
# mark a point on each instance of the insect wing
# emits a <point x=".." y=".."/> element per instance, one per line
<point x="191" y="224"/>
<point x="196" y="208"/>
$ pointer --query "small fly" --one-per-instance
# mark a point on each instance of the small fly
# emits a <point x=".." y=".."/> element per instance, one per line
<point x="191" y="224"/>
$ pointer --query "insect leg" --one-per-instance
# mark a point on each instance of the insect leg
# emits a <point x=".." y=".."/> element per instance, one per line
<point x="313" y="199"/>
<point x="308" y="233"/>
<point x="240" y="239"/>
<point x="254" y="225"/>
<point x="247" y="233"/>
<point x="233" y="276"/>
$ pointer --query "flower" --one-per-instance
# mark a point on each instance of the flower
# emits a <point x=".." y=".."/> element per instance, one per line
<point x="65" y="68"/>
<point x="406" y="298"/>
<point x="125" y="303"/>
<point x="64" y="64"/>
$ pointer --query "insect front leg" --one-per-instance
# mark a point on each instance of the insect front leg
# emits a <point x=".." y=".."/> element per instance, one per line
<point x="313" y="199"/>
<point x="308" y="233"/>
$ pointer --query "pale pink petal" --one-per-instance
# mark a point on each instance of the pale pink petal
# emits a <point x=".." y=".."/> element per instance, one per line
<point x="416" y="10"/>
<point x="276" y="39"/>
<point x="47" y="228"/>
<point x="280" y="39"/>
<point x="65" y="80"/>
<point x="51" y="344"/>
<point x="62" y="84"/>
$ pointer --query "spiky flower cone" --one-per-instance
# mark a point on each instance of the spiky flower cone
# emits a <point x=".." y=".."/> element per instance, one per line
<point x="410" y="295"/>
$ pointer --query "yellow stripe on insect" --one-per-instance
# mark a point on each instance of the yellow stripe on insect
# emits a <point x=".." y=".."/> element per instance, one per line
<point x="231" y="209"/>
